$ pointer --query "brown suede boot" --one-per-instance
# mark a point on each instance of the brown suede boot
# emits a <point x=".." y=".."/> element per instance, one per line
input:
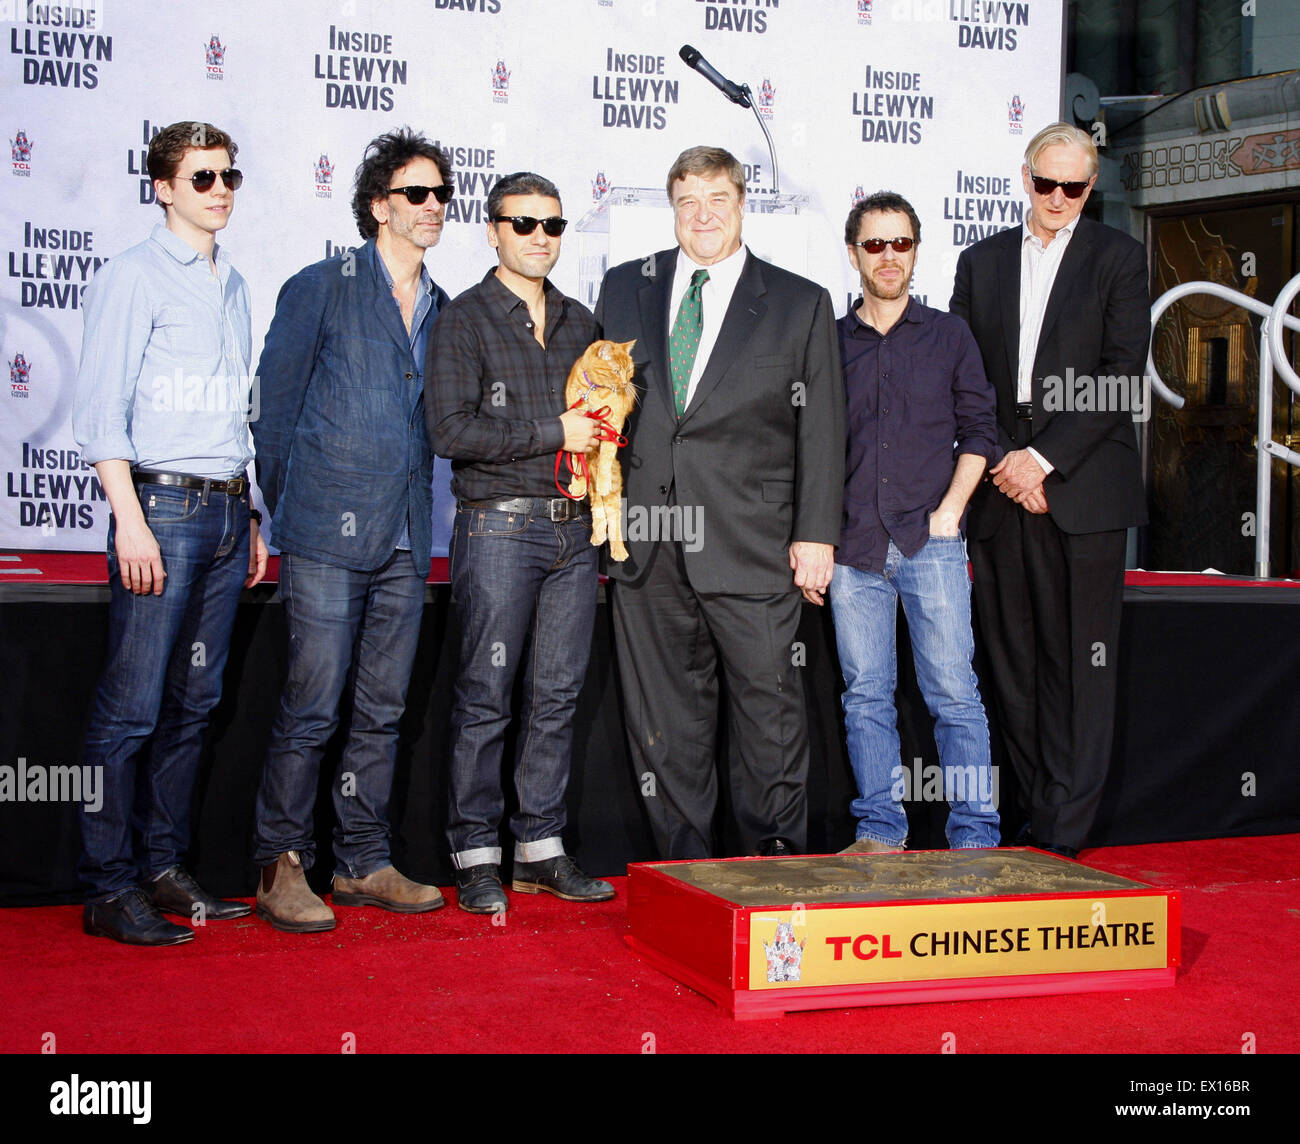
<point x="285" y="900"/>
<point x="387" y="889"/>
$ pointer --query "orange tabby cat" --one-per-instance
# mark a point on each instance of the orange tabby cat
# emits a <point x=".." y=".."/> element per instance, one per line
<point x="601" y="380"/>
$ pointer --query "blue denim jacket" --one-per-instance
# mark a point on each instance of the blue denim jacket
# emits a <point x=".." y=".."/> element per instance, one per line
<point x="342" y="452"/>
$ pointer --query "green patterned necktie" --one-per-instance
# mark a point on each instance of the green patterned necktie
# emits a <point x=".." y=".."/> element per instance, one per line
<point x="684" y="342"/>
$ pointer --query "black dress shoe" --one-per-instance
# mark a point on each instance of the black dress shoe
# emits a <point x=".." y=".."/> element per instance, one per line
<point x="560" y="876"/>
<point x="1063" y="851"/>
<point x="479" y="889"/>
<point x="775" y="848"/>
<point x="132" y="919"/>
<point x="175" y="892"/>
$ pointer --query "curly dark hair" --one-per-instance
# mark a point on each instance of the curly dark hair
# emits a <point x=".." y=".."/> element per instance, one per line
<point x="879" y="203"/>
<point x="383" y="156"/>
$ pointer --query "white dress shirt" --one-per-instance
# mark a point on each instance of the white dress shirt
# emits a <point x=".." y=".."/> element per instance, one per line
<point x="1038" y="267"/>
<point x="715" y="297"/>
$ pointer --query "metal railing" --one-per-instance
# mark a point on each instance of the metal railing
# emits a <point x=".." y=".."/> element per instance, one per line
<point x="1272" y="355"/>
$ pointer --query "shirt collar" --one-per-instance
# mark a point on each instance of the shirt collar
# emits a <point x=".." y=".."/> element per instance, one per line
<point x="426" y="283"/>
<point x="726" y="271"/>
<point x="501" y="295"/>
<point x="181" y="250"/>
<point x="914" y="313"/>
<point x="1067" y="231"/>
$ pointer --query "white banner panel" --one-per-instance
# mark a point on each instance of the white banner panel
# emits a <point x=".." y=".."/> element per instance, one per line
<point x="930" y="98"/>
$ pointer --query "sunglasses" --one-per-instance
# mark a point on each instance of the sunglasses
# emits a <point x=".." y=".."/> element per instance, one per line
<point x="876" y="245"/>
<point x="1045" y="187"/>
<point x="416" y="196"/>
<point x="204" y="181"/>
<point x="525" y="224"/>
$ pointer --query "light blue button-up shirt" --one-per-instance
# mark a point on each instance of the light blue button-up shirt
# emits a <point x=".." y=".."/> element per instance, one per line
<point x="164" y="375"/>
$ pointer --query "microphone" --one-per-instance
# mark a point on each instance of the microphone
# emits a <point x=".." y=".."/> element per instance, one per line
<point x="694" y="60"/>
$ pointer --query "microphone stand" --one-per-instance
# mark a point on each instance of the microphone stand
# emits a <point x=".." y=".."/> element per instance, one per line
<point x="771" y="150"/>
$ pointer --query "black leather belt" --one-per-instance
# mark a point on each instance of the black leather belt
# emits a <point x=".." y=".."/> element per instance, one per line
<point x="555" y="509"/>
<point x="235" y="487"/>
<point x="1025" y="411"/>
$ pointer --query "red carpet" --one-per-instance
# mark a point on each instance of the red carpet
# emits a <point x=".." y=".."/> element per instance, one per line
<point x="558" y="978"/>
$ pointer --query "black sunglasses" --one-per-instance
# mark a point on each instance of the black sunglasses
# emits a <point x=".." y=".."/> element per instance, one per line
<point x="525" y="224"/>
<point x="417" y="195"/>
<point x="876" y="245"/>
<point x="204" y="181"/>
<point x="1045" y="187"/>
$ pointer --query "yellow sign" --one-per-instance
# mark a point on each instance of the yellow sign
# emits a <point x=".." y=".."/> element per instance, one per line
<point x="861" y="945"/>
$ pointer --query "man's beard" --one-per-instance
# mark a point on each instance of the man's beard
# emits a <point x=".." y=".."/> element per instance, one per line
<point x="885" y="296"/>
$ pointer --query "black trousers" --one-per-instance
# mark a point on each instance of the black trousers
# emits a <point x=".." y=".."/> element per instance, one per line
<point x="671" y="642"/>
<point x="1049" y="606"/>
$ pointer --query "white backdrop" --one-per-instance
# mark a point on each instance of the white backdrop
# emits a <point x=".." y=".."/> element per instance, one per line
<point x="930" y="98"/>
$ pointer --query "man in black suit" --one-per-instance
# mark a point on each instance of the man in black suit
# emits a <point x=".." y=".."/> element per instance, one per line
<point x="734" y="477"/>
<point x="1060" y="310"/>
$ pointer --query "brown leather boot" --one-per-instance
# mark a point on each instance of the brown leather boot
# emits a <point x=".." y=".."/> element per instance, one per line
<point x="286" y="901"/>
<point x="387" y="889"/>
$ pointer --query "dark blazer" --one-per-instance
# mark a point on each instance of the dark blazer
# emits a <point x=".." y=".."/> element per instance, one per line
<point x="1097" y="325"/>
<point x="759" y="451"/>
<point x="341" y="426"/>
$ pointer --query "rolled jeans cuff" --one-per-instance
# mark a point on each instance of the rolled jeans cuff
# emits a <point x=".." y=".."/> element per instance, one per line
<point x="484" y="855"/>
<point x="539" y="851"/>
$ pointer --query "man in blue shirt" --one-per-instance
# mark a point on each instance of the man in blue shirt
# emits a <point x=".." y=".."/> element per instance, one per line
<point x="920" y="431"/>
<point x="161" y="411"/>
<point x="344" y="465"/>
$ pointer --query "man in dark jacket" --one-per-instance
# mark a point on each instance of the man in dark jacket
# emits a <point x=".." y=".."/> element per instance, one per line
<point x="344" y="465"/>
<point x="1060" y="311"/>
<point x="734" y="479"/>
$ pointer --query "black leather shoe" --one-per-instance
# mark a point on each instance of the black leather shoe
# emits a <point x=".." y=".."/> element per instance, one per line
<point x="560" y="876"/>
<point x="479" y="889"/>
<point x="175" y="892"/>
<point x="775" y="848"/>
<point x="1063" y="851"/>
<point x="133" y="920"/>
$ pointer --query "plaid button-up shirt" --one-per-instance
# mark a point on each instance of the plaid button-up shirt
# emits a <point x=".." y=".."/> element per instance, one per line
<point x="493" y="395"/>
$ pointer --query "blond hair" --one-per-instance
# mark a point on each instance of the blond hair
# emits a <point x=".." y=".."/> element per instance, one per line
<point x="1055" y="134"/>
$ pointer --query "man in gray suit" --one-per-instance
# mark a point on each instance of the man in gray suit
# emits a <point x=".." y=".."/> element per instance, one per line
<point x="734" y="477"/>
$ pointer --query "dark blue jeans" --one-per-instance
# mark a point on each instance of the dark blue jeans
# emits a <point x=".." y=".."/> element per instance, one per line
<point x="346" y="629"/>
<point x="162" y="677"/>
<point x="525" y="595"/>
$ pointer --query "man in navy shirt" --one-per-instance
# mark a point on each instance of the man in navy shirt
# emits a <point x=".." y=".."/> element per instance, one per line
<point x="921" y="430"/>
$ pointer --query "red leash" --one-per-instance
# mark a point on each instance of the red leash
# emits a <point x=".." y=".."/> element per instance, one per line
<point x="604" y="432"/>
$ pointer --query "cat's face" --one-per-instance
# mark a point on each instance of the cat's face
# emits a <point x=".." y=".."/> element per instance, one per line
<point x="616" y="356"/>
